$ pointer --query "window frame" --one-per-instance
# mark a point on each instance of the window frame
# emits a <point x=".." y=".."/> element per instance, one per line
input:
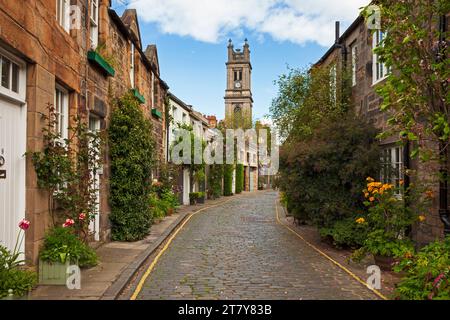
<point x="132" y="65"/>
<point x="392" y="166"/>
<point x="20" y="94"/>
<point x="63" y="14"/>
<point x="61" y="104"/>
<point x="379" y="69"/>
<point x="93" y="23"/>
<point x="333" y="83"/>
<point x="354" y="61"/>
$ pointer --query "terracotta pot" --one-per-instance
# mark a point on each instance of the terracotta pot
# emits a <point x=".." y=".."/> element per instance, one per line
<point x="386" y="263"/>
<point x="170" y="211"/>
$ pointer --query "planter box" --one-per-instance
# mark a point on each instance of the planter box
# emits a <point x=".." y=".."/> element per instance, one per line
<point x="201" y="200"/>
<point x="156" y="113"/>
<point x="98" y="60"/>
<point x="138" y="96"/>
<point x="53" y="273"/>
<point x="384" y="262"/>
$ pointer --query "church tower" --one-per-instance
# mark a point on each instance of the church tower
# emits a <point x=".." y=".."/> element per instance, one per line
<point x="238" y="94"/>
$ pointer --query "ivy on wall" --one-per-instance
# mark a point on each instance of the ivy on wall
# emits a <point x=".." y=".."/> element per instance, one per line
<point x="228" y="179"/>
<point x="239" y="178"/>
<point x="215" y="181"/>
<point x="131" y="150"/>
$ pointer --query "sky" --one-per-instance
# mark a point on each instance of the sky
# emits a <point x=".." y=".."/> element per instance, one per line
<point x="192" y="36"/>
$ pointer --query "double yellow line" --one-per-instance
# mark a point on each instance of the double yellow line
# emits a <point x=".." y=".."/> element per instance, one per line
<point x="354" y="276"/>
<point x="166" y="246"/>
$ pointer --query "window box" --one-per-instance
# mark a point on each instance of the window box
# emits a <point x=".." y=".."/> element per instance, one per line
<point x="98" y="60"/>
<point x="157" y="113"/>
<point x="138" y="96"/>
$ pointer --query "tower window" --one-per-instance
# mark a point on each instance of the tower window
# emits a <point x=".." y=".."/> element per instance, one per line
<point x="237" y="75"/>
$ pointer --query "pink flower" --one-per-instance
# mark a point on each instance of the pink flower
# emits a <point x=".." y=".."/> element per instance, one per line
<point x="82" y="216"/>
<point x="68" y="223"/>
<point x="436" y="282"/>
<point x="24" y="224"/>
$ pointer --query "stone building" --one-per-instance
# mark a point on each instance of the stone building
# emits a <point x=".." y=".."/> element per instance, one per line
<point x="352" y="52"/>
<point x="77" y="58"/>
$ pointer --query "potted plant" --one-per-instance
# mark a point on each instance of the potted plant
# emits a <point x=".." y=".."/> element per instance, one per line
<point x="201" y="197"/>
<point x="15" y="281"/>
<point x="61" y="249"/>
<point x="386" y="221"/>
<point x="193" y="196"/>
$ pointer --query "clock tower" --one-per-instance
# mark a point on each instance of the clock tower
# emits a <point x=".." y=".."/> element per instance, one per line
<point x="238" y="94"/>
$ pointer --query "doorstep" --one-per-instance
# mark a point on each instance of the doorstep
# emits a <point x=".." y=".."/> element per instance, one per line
<point x="119" y="261"/>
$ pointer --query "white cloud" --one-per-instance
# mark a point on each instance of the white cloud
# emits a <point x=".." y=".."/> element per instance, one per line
<point x="298" y="21"/>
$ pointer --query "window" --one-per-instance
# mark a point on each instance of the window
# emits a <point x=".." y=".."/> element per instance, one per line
<point x="62" y="112"/>
<point x="380" y="71"/>
<point x="132" y="66"/>
<point x="62" y="13"/>
<point x="9" y="72"/>
<point x="392" y="165"/>
<point x="354" y="49"/>
<point x="237" y="75"/>
<point x="333" y="84"/>
<point x="94" y="23"/>
<point x="184" y="118"/>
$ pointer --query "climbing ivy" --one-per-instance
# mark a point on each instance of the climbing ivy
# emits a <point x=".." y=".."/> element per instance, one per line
<point x="132" y="159"/>
<point x="239" y="178"/>
<point x="228" y="179"/>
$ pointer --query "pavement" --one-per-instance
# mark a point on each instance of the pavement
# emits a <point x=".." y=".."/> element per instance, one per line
<point x="118" y="262"/>
<point x="238" y="250"/>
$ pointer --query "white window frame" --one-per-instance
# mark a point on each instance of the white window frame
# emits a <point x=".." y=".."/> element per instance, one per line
<point x="354" y="51"/>
<point x="132" y="65"/>
<point x="379" y="70"/>
<point x="20" y="95"/>
<point x="61" y="100"/>
<point x="392" y="170"/>
<point x="63" y="14"/>
<point x="93" y="18"/>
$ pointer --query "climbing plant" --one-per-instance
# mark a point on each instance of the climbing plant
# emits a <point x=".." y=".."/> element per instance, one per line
<point x="239" y="178"/>
<point x="228" y="179"/>
<point x="132" y="159"/>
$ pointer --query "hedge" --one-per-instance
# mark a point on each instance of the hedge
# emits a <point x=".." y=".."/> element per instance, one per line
<point x="239" y="178"/>
<point x="228" y="180"/>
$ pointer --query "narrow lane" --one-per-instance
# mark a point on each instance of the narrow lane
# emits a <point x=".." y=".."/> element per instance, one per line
<point x="238" y="251"/>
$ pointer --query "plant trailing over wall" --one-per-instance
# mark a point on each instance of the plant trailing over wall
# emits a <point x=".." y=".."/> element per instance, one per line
<point x="66" y="168"/>
<point x="132" y="159"/>
<point x="228" y="179"/>
<point x="239" y="178"/>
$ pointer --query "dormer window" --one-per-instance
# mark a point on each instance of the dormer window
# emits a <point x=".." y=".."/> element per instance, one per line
<point x="94" y="24"/>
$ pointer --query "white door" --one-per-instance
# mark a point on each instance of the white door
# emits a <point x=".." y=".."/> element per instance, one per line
<point x="94" y="225"/>
<point x="186" y="186"/>
<point x="12" y="172"/>
<point x="13" y="126"/>
<point x="252" y="179"/>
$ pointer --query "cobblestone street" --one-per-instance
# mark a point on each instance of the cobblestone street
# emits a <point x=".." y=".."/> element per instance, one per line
<point x="238" y="251"/>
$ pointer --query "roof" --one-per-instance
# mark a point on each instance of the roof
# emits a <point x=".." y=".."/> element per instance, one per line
<point x="179" y="101"/>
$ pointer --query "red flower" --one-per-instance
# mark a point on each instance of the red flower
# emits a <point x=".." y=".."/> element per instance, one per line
<point x="24" y="224"/>
<point x="82" y="216"/>
<point x="68" y="223"/>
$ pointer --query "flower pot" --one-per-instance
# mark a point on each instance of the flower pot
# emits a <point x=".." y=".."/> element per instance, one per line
<point x="192" y="201"/>
<point x="12" y="297"/>
<point x="170" y="211"/>
<point x="201" y="200"/>
<point x="386" y="263"/>
<point x="53" y="273"/>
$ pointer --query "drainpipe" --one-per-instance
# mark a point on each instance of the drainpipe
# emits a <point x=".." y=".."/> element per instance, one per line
<point x="444" y="213"/>
<point x="343" y="48"/>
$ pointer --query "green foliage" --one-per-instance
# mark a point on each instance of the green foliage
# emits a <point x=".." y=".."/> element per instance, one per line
<point x="70" y="183"/>
<point x="239" y="178"/>
<point x="228" y="179"/>
<point x="62" y="244"/>
<point x="215" y="181"/>
<point x="322" y="176"/>
<point x="346" y="233"/>
<point x="12" y="277"/>
<point x="132" y="159"/>
<point x="427" y="273"/>
<point x="415" y="95"/>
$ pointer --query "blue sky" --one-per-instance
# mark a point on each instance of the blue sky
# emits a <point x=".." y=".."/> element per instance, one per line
<point x="192" y="35"/>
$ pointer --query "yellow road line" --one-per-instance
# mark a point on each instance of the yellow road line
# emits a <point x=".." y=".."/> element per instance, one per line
<point x="379" y="294"/>
<point x="166" y="246"/>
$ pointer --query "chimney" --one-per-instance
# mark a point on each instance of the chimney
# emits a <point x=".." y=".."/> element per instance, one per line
<point x="337" y="31"/>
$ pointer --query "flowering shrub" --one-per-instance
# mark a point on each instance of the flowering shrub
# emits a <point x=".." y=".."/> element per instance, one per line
<point x="388" y="219"/>
<point x="427" y="273"/>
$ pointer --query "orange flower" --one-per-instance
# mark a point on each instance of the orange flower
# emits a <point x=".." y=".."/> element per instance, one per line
<point x="422" y="218"/>
<point x="360" y="220"/>
<point x="371" y="199"/>
<point x="429" y="194"/>
<point x="408" y="255"/>
<point x="369" y="179"/>
<point x="401" y="182"/>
